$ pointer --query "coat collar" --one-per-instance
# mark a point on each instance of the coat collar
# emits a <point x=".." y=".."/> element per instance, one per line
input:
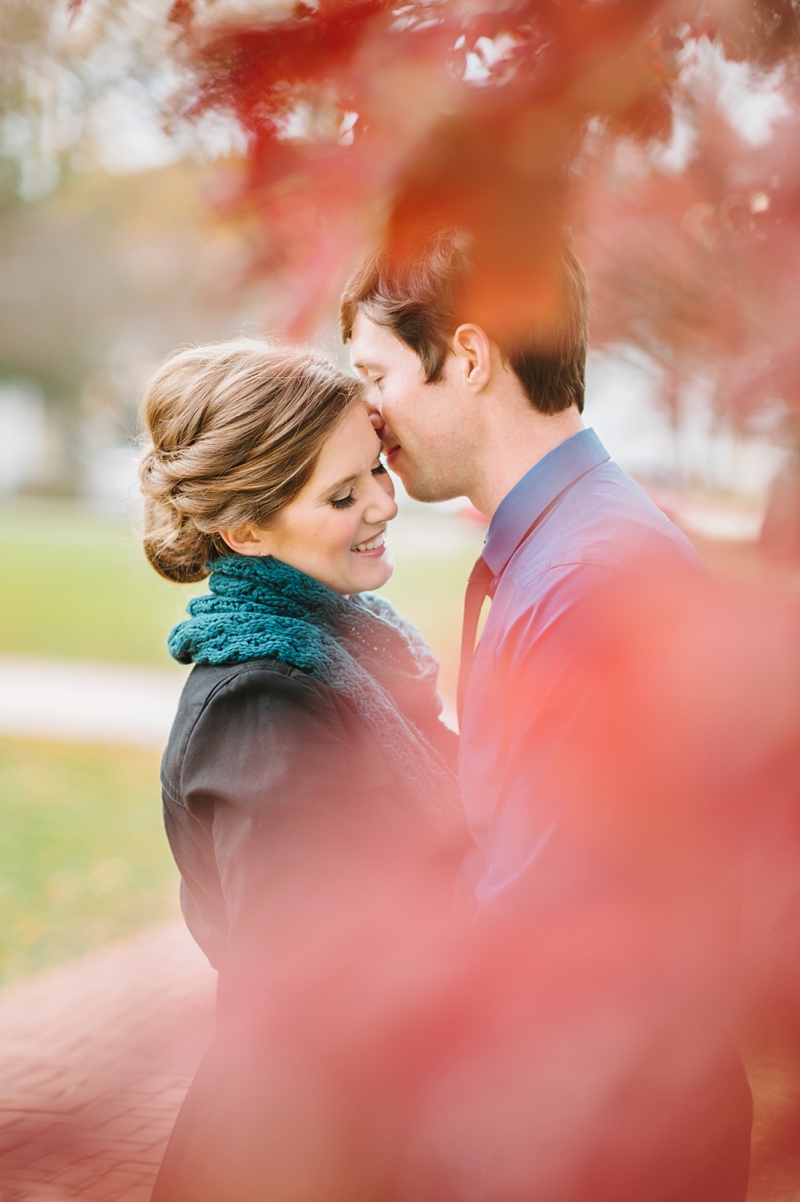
<point x="522" y="508"/>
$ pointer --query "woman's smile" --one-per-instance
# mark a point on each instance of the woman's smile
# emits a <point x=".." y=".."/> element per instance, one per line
<point x="374" y="546"/>
<point x="335" y="528"/>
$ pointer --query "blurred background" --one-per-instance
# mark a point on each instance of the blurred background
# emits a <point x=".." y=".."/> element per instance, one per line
<point x="133" y="218"/>
<point x="180" y="172"/>
<point x="119" y="240"/>
<point x="174" y="173"/>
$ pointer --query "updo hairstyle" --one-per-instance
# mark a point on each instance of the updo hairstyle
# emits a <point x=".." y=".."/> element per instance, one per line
<point x="233" y="432"/>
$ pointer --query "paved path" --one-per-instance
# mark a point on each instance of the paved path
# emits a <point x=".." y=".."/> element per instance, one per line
<point x="96" y="703"/>
<point x="107" y="703"/>
<point x="95" y="1059"/>
<point x="714" y="518"/>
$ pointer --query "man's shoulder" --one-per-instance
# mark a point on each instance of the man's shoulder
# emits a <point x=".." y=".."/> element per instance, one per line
<point x="604" y="521"/>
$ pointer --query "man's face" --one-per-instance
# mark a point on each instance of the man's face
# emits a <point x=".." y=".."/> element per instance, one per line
<point x="421" y="425"/>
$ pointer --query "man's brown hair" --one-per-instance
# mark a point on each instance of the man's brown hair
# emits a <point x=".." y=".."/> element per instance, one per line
<point x="420" y="301"/>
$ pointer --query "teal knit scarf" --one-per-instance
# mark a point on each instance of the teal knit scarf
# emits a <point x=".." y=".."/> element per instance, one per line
<point x="261" y="608"/>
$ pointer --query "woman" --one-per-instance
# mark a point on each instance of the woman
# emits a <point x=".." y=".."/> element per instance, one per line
<point x="307" y="740"/>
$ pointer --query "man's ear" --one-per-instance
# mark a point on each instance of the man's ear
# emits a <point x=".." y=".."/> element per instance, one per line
<point x="247" y="540"/>
<point x="472" y="349"/>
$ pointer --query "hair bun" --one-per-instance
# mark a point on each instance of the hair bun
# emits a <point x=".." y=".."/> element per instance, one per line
<point x="172" y="543"/>
<point x="234" y="432"/>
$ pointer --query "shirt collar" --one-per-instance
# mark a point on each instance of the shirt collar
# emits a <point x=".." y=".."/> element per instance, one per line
<point x="530" y="497"/>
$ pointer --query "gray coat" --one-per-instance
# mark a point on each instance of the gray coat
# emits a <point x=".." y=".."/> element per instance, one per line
<point x="267" y="774"/>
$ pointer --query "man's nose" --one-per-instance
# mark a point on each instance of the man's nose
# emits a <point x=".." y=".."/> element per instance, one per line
<point x="377" y="420"/>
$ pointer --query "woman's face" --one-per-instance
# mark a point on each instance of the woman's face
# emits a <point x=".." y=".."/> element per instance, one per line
<point x="335" y="528"/>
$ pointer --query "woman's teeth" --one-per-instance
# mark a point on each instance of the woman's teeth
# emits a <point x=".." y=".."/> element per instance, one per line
<point x="373" y="543"/>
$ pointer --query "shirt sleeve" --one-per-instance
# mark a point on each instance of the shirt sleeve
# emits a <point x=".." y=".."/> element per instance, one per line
<point x="541" y="686"/>
<point x="267" y="769"/>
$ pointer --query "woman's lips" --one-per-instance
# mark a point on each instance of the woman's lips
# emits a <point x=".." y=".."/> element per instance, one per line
<point x="374" y="547"/>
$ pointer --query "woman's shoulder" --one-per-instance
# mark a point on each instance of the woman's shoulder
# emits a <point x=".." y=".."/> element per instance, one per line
<point x="261" y="704"/>
<point x="254" y="684"/>
<point x="237" y="699"/>
<point x="208" y="682"/>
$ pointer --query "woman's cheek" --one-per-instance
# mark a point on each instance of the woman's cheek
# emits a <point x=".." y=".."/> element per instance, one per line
<point x="342" y="533"/>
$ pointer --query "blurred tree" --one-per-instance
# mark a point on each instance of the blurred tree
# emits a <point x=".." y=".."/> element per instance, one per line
<point x="23" y="31"/>
<point x="362" y="119"/>
<point x="106" y="276"/>
<point x="366" y="120"/>
<point x="72" y="94"/>
<point x="110" y="251"/>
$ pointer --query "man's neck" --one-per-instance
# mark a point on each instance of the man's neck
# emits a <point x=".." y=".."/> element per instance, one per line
<point x="512" y="448"/>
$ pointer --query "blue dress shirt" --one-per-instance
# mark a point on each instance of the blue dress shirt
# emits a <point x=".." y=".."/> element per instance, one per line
<point x="574" y="523"/>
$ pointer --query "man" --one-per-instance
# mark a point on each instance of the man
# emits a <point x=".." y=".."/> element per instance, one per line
<point x="467" y="410"/>
<point x="462" y="414"/>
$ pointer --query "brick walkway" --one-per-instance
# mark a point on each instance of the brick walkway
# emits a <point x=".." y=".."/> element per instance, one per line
<point x="95" y="1058"/>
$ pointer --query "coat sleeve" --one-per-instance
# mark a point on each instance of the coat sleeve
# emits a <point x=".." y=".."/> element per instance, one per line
<point x="267" y="770"/>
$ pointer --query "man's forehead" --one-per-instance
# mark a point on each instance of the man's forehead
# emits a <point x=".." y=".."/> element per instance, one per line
<point x="371" y="344"/>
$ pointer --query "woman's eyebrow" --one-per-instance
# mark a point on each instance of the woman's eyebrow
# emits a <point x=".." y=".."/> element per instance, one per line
<point x="334" y="488"/>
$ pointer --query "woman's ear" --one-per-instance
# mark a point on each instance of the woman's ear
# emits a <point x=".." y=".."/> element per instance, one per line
<point x="472" y="349"/>
<point x="248" y="540"/>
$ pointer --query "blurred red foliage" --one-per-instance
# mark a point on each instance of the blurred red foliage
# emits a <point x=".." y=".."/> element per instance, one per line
<point x="366" y="120"/>
<point x="363" y="117"/>
<point x="579" y="1047"/>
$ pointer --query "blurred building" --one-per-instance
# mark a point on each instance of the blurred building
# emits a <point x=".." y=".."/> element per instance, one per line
<point x="687" y="446"/>
<point x="24" y="439"/>
<point x="98" y="282"/>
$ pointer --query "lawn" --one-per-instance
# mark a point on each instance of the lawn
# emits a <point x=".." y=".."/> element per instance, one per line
<point x="83" y="858"/>
<point x="78" y="586"/>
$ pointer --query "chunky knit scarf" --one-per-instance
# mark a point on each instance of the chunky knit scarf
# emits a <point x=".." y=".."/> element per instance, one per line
<point x="260" y="608"/>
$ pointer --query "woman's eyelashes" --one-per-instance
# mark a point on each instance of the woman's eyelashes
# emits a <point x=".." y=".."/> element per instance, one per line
<point x="346" y="502"/>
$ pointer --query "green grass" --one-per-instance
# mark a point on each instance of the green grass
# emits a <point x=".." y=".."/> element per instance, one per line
<point x="77" y="586"/>
<point x="83" y="857"/>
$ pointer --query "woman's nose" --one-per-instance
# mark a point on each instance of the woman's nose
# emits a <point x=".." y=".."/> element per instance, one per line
<point x="382" y="506"/>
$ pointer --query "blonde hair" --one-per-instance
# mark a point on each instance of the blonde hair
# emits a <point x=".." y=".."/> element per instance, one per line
<point x="233" y="432"/>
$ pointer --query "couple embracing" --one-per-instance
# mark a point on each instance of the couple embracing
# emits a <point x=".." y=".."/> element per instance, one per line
<point x="308" y="759"/>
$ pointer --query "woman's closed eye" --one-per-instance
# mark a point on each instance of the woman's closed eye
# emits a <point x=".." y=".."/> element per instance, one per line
<point x="345" y="502"/>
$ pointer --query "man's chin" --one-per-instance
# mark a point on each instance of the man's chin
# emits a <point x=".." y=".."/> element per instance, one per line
<point x="420" y="489"/>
